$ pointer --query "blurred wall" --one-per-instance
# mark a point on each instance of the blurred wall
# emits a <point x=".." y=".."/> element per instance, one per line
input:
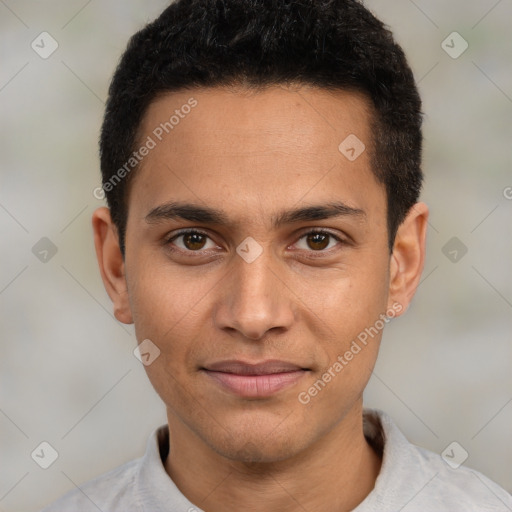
<point x="68" y="374"/>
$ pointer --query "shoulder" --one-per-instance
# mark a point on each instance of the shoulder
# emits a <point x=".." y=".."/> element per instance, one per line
<point x="112" y="491"/>
<point x="413" y="478"/>
<point x="458" y="488"/>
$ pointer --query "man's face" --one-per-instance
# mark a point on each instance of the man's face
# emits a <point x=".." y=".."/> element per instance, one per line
<point x="258" y="284"/>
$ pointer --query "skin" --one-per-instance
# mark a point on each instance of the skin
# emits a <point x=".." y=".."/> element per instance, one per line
<point x="253" y="155"/>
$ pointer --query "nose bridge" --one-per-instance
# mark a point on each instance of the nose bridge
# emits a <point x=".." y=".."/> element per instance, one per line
<point x="255" y="300"/>
<point x="253" y="281"/>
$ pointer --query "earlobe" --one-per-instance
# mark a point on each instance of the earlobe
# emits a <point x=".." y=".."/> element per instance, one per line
<point x="408" y="257"/>
<point x="111" y="263"/>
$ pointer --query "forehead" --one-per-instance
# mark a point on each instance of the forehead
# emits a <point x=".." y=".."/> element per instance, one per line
<point x="225" y="145"/>
<point x="262" y="118"/>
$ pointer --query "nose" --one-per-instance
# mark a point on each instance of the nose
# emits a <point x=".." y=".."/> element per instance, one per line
<point x="255" y="299"/>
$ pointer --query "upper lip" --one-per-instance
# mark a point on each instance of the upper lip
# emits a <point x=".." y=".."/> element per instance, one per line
<point x="244" y="368"/>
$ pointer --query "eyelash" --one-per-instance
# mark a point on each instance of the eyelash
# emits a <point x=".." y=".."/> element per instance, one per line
<point x="192" y="254"/>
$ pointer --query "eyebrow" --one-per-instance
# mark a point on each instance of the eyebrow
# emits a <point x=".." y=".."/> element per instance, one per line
<point x="207" y="215"/>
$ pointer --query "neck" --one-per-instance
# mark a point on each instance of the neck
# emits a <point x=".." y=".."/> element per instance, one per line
<point x="334" y="474"/>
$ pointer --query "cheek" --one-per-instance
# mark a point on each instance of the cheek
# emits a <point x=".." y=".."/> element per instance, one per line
<point x="352" y="307"/>
<point x="163" y="312"/>
<point x="348" y="356"/>
<point x="168" y="309"/>
<point x="163" y="300"/>
<point x="346" y="299"/>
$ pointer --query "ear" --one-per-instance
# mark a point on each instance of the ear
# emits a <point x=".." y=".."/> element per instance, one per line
<point x="408" y="257"/>
<point x="111" y="263"/>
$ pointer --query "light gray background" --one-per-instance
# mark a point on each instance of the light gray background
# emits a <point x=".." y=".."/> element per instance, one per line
<point x="68" y="374"/>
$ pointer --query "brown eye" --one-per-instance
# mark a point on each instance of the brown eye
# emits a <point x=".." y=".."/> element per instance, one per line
<point x="194" y="241"/>
<point x="318" y="241"/>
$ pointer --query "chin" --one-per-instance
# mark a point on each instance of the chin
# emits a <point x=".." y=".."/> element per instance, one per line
<point x="260" y="443"/>
<point x="258" y="451"/>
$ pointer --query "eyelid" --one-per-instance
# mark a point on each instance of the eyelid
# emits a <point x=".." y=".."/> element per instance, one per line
<point x="185" y="231"/>
<point x="323" y="231"/>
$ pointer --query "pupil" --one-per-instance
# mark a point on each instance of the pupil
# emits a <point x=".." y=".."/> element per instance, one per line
<point x="318" y="241"/>
<point x="194" y="241"/>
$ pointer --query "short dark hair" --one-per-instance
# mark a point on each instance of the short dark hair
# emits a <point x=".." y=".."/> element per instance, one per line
<point x="331" y="44"/>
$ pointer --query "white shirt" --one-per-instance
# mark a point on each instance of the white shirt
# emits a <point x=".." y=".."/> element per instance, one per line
<point x="411" y="479"/>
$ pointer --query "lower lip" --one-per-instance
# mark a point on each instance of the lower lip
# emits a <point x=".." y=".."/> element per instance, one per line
<point x="256" y="386"/>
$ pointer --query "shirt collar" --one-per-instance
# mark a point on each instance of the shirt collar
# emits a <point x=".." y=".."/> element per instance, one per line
<point x="156" y="491"/>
